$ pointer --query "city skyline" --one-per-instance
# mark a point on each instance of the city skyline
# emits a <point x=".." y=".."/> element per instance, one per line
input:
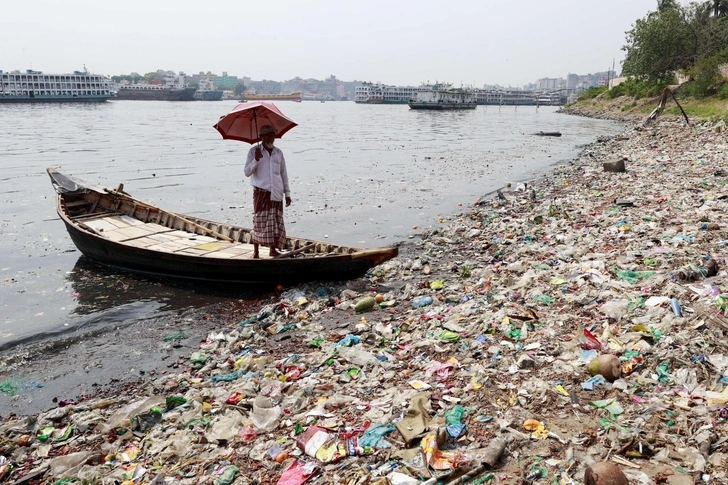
<point x="394" y="43"/>
<point x="544" y="83"/>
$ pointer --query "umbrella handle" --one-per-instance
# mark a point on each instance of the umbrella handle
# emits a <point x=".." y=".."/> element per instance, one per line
<point x="255" y="119"/>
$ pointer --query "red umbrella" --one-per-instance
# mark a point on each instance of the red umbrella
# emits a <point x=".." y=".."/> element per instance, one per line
<point x="243" y="121"/>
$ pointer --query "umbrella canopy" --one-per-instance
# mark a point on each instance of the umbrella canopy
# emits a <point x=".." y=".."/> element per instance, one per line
<point x="243" y="122"/>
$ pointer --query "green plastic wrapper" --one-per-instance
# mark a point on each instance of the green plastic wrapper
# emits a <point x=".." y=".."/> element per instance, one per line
<point x="10" y="386"/>
<point x="202" y="422"/>
<point x="175" y="336"/>
<point x="197" y="360"/>
<point x="633" y="277"/>
<point x="173" y="401"/>
<point x="449" y="336"/>
<point x="67" y="432"/>
<point x="454" y="415"/>
<point x="228" y="475"/>
<point x="45" y="433"/>
<point x="606" y="424"/>
<point x="612" y="406"/>
<point x="545" y="299"/>
<point x="662" y="373"/>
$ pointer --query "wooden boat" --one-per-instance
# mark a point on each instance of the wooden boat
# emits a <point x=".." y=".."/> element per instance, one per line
<point x="548" y="133"/>
<point x="115" y="229"/>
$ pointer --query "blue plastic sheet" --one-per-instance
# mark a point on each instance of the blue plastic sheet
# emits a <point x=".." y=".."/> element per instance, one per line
<point x="228" y="377"/>
<point x="373" y="437"/>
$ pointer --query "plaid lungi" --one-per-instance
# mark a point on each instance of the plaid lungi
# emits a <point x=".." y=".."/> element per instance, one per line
<point x="268" y="227"/>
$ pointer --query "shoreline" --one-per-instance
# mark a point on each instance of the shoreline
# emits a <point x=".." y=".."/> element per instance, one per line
<point x="522" y="274"/>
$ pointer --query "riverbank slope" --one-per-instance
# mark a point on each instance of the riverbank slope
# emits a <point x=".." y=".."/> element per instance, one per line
<point x="631" y="109"/>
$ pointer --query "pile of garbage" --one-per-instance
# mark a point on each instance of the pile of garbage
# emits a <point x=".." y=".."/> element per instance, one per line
<point x="567" y="330"/>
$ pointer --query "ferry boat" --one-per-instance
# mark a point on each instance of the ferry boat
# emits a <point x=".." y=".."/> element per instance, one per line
<point x="271" y="97"/>
<point x="370" y="93"/>
<point x="34" y="86"/>
<point x="443" y="97"/>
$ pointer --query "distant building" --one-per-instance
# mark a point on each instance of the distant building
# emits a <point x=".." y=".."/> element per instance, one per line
<point x="207" y="82"/>
<point x="547" y="83"/>
<point x="225" y="81"/>
<point x="572" y="80"/>
<point x="581" y="82"/>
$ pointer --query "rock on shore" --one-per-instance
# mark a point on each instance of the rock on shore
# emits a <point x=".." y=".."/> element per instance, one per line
<point x="474" y="361"/>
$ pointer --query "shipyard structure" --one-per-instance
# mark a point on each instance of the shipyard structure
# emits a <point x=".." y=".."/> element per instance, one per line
<point x="377" y="93"/>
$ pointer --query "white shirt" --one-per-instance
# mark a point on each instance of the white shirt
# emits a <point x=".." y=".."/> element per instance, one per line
<point x="268" y="173"/>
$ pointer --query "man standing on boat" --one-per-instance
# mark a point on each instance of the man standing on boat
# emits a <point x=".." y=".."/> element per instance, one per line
<point x="266" y="168"/>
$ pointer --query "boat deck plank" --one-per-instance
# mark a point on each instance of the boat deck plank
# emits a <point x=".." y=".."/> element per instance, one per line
<point x="155" y="237"/>
<point x="101" y="225"/>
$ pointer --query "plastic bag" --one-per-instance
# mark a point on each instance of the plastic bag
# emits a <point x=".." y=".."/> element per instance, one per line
<point x="357" y="356"/>
<point x="66" y="465"/>
<point x="265" y="414"/>
<point x="296" y="473"/>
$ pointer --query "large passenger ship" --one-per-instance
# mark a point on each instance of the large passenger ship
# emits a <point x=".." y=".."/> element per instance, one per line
<point x="370" y="93"/>
<point x="443" y="97"/>
<point x="34" y="86"/>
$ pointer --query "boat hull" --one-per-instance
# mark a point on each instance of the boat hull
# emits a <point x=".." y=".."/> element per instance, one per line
<point x="210" y="95"/>
<point x="186" y="94"/>
<point x="307" y="260"/>
<point x="53" y="99"/>
<point x="267" y="271"/>
<point x="442" y="106"/>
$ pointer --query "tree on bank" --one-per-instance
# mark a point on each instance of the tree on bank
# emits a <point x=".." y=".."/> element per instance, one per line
<point x="720" y="8"/>
<point x="691" y="38"/>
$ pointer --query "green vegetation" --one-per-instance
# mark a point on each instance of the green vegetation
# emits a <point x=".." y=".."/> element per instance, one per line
<point x="707" y="108"/>
<point x="126" y="77"/>
<point x="690" y="38"/>
<point x="686" y="40"/>
<point x="239" y="89"/>
<point x="592" y="93"/>
<point x="723" y="93"/>
<point x="466" y="271"/>
<point x="640" y="89"/>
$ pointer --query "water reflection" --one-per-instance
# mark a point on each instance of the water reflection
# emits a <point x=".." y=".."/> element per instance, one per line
<point x="98" y="288"/>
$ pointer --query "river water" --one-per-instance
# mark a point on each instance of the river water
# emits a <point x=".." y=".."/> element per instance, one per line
<point x="361" y="175"/>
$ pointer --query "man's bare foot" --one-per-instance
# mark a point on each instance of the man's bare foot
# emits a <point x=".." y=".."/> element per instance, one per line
<point x="256" y="255"/>
<point x="274" y="253"/>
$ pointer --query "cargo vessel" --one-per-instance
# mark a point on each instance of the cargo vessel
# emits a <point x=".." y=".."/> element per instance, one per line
<point x="208" y="95"/>
<point x="271" y="97"/>
<point x="153" y="92"/>
<point x="34" y="86"/>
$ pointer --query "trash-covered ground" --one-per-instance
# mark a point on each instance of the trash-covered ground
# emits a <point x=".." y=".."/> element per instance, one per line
<point x="573" y="320"/>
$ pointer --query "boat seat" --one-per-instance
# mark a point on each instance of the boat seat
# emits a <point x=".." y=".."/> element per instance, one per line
<point x="77" y="203"/>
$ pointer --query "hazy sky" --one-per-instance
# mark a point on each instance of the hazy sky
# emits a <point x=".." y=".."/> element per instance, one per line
<point x="395" y="42"/>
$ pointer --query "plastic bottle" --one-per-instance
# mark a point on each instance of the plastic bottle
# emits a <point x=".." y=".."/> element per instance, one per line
<point x="675" y="304"/>
<point x="421" y="301"/>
